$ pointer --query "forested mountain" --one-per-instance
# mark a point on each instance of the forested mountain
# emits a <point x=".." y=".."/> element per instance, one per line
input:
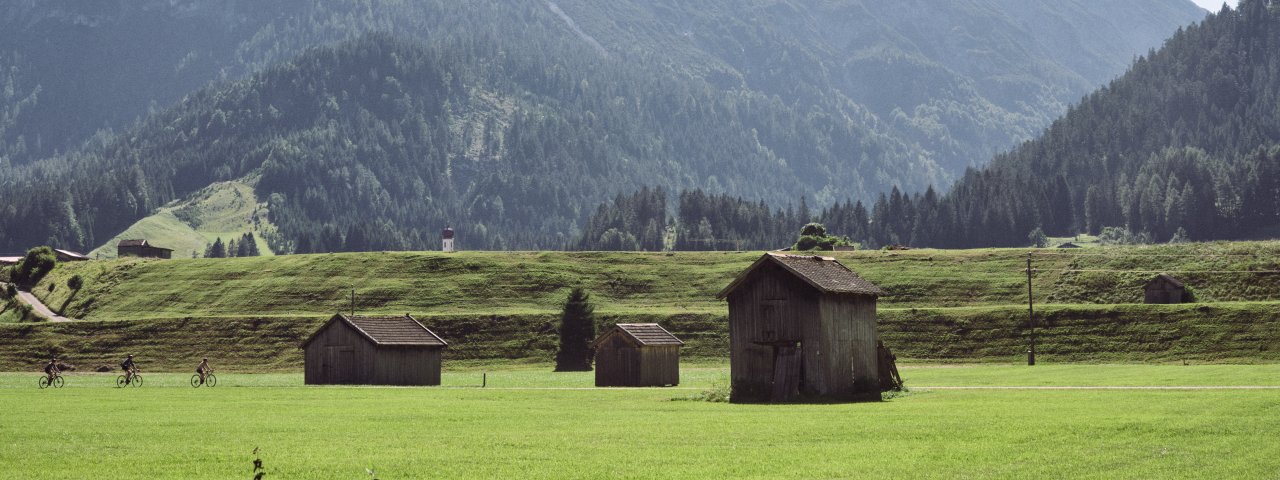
<point x="1186" y="143"/>
<point x="517" y="118"/>
<point x="1188" y="138"/>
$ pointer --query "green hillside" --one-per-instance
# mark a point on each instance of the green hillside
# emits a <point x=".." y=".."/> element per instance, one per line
<point x="941" y="304"/>
<point x="223" y="210"/>
<point x="663" y="283"/>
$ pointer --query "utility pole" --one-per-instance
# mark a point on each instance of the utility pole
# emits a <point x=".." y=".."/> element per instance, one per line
<point x="353" y="302"/>
<point x="1031" y="316"/>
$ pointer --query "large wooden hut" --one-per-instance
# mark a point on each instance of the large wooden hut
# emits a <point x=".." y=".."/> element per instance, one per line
<point x="802" y="326"/>
<point x="637" y="355"/>
<point x="357" y="350"/>
<point x="1163" y="289"/>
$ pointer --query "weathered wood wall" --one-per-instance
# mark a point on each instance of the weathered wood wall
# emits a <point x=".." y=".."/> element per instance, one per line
<point x="339" y="355"/>
<point x="780" y="327"/>
<point x="620" y="363"/>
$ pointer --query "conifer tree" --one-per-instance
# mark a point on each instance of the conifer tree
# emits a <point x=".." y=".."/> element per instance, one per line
<point x="577" y="329"/>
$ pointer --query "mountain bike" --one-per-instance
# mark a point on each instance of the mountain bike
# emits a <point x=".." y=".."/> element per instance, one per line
<point x="57" y="381"/>
<point x="121" y="381"/>
<point x="209" y="380"/>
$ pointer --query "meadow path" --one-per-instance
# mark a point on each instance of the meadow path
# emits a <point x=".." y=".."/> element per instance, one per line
<point x="40" y="307"/>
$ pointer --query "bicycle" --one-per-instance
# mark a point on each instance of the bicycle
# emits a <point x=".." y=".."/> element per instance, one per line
<point x="210" y="380"/>
<point x="122" y="381"/>
<point x="57" y="381"/>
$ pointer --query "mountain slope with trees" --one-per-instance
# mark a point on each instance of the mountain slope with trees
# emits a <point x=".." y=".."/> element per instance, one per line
<point x="745" y="99"/>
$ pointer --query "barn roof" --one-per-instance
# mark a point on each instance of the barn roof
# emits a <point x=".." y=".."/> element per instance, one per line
<point x="1167" y="278"/>
<point x="391" y="331"/>
<point x="10" y="260"/>
<point x="823" y="273"/>
<point x="643" y="334"/>
<point x="138" y="242"/>
<point x="72" y="254"/>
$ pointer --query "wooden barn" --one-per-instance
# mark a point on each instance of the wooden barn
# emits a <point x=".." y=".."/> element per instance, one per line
<point x="1164" y="289"/>
<point x="637" y="355"/>
<point x="140" y="248"/>
<point x="358" y="350"/>
<point x="802" y="326"/>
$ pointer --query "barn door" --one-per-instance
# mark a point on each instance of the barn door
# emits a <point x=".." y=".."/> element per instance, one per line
<point x="340" y="364"/>
<point x="787" y="370"/>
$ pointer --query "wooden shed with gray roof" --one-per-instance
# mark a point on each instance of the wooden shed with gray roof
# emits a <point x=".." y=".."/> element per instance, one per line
<point x="802" y="327"/>
<point x="637" y="355"/>
<point x="360" y="350"/>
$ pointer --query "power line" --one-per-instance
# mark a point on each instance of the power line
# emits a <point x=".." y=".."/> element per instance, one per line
<point x="1140" y="255"/>
<point x="1106" y="270"/>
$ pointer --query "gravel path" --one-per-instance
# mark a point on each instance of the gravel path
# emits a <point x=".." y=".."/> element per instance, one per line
<point x="40" y="307"/>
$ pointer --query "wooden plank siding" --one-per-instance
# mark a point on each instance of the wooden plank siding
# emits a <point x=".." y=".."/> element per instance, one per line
<point x="339" y="354"/>
<point x="620" y="361"/>
<point x="790" y="339"/>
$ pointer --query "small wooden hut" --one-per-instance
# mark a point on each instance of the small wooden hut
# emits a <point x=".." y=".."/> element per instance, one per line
<point x="357" y="350"/>
<point x="1164" y="289"/>
<point x="802" y="326"/>
<point x="637" y="355"/>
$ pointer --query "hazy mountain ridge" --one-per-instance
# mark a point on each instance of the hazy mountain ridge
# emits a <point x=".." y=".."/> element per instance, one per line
<point x="756" y="111"/>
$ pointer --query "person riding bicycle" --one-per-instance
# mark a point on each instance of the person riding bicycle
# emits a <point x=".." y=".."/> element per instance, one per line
<point x="129" y="368"/>
<point x="51" y="369"/>
<point x="203" y="370"/>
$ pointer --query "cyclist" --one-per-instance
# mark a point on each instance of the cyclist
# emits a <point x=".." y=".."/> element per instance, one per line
<point x="51" y="369"/>
<point x="203" y="370"/>
<point x="129" y="368"/>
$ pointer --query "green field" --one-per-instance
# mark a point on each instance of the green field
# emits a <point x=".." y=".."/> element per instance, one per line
<point x="534" y="424"/>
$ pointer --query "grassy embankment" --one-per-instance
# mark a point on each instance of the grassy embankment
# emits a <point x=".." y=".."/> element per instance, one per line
<point x="948" y="305"/>
<point x="171" y="430"/>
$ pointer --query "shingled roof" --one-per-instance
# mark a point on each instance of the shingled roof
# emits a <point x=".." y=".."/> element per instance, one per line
<point x="644" y="334"/>
<point x="823" y="273"/>
<point x="1166" y="277"/>
<point x="391" y="331"/>
<point x="133" y="243"/>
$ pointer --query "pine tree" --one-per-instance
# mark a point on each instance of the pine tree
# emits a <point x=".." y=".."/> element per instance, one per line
<point x="217" y="250"/>
<point x="577" y="329"/>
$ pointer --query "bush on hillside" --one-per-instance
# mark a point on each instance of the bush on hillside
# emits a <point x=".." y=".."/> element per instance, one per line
<point x="813" y="236"/>
<point x="37" y="263"/>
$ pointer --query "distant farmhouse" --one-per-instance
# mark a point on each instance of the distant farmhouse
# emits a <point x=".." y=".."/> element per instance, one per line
<point x="637" y="355"/>
<point x="358" y="350"/>
<point x="1164" y="289"/>
<point x="69" y="256"/>
<point x="802" y="326"/>
<point x="140" y="248"/>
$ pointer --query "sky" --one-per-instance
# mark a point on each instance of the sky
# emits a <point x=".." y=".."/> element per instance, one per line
<point x="1214" y="5"/>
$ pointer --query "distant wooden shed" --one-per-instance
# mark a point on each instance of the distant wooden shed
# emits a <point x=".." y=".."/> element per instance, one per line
<point x="637" y="355"/>
<point x="1068" y="245"/>
<point x="140" y="248"/>
<point x="358" y="350"/>
<point x="1164" y="289"/>
<point x="802" y="326"/>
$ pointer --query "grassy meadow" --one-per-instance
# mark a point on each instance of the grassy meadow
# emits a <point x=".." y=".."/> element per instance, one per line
<point x="532" y="423"/>
<point x="502" y="283"/>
